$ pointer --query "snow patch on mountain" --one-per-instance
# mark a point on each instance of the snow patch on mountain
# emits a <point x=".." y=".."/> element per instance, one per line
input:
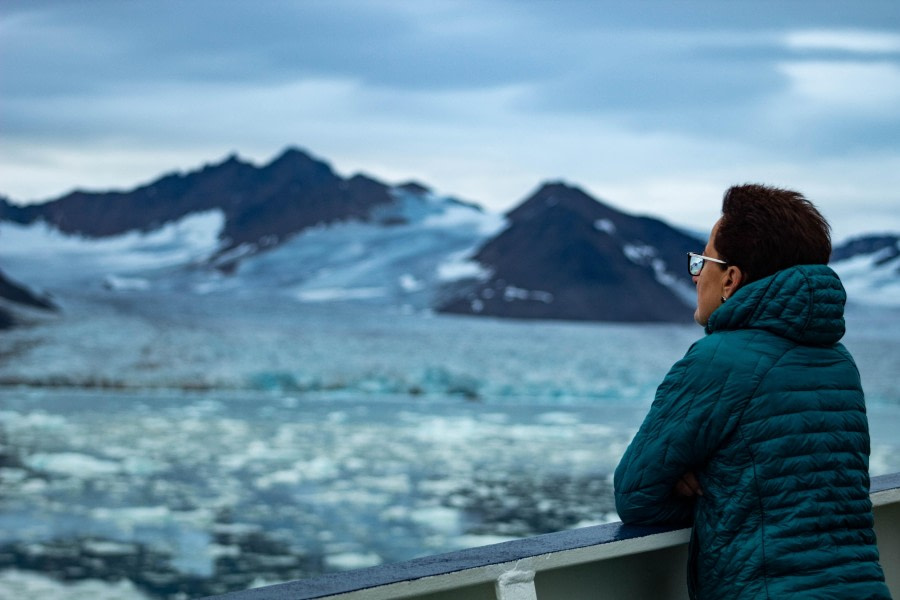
<point x="403" y="253"/>
<point x="458" y="265"/>
<point x="45" y="257"/>
<point x="872" y="278"/>
<point x="412" y="247"/>
<point x="605" y="225"/>
<point x="646" y="255"/>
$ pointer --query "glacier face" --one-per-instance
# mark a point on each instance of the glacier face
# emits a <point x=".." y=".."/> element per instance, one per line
<point x="402" y="256"/>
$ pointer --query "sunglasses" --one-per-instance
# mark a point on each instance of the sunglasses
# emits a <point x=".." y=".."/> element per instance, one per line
<point x="696" y="262"/>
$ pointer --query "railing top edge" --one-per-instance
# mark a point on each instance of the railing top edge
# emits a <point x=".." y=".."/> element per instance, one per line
<point x="470" y="558"/>
<point x="450" y="562"/>
<point x="883" y="483"/>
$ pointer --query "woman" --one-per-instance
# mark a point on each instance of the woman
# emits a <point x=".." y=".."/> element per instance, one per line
<point x="759" y="436"/>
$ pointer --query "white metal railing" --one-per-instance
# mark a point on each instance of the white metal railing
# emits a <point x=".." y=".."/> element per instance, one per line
<point x="605" y="561"/>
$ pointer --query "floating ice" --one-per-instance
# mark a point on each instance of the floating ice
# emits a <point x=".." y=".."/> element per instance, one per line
<point x="72" y="464"/>
<point x="558" y="418"/>
<point x="16" y="585"/>
<point x="438" y="518"/>
<point x="352" y="560"/>
<point x="109" y="548"/>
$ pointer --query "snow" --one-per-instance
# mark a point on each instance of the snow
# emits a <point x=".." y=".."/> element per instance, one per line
<point x="512" y="293"/>
<point x="356" y="261"/>
<point x="456" y="267"/>
<point x="868" y="282"/>
<point x="410" y="283"/>
<point x="455" y="216"/>
<point x="640" y="254"/>
<point x="645" y="255"/>
<point x="31" y="253"/>
<point x="605" y="225"/>
<point x="114" y="282"/>
<point x="339" y="294"/>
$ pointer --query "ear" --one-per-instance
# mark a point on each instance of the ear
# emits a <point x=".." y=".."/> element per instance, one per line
<point x="731" y="280"/>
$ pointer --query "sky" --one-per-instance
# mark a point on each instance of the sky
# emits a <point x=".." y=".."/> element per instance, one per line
<point x="655" y="107"/>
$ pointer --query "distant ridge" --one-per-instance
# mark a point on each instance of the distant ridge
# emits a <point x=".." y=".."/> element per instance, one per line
<point x="562" y="254"/>
<point x="885" y="247"/>
<point x="262" y="205"/>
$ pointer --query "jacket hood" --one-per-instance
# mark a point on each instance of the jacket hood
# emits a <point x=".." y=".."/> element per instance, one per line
<point x="804" y="303"/>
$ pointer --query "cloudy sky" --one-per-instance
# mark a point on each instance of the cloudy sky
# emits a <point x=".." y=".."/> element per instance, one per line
<point x="653" y="106"/>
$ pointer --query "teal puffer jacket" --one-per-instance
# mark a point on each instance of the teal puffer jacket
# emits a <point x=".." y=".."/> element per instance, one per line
<point x="768" y="411"/>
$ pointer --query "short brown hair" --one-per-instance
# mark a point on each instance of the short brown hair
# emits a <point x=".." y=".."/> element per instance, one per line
<point x="766" y="229"/>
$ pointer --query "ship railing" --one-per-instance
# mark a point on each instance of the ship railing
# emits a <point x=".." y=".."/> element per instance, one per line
<point x="612" y="561"/>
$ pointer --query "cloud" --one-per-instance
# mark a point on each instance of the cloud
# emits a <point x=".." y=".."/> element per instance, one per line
<point x="846" y="40"/>
<point x="846" y="88"/>
<point x="652" y="104"/>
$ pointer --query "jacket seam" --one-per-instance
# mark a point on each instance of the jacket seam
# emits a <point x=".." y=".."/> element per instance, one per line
<point x="762" y="514"/>
<point x="758" y="309"/>
<point x="810" y="303"/>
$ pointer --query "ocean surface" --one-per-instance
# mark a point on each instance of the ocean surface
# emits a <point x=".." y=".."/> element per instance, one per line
<point x="166" y="446"/>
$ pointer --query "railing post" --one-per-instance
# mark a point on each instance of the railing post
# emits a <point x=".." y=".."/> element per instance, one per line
<point x="516" y="585"/>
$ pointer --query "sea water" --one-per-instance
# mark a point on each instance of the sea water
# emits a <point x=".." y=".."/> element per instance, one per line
<point x="172" y="448"/>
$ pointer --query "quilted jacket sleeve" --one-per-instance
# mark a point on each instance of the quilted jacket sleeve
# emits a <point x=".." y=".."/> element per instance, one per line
<point x="688" y="420"/>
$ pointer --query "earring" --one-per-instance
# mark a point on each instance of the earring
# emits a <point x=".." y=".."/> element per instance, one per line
<point x="724" y="299"/>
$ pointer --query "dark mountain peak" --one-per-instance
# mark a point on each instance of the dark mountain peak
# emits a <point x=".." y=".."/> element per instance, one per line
<point x="230" y="162"/>
<point x="293" y="152"/>
<point x="559" y="197"/>
<point x="414" y="187"/>
<point x="566" y="255"/>
<point x="363" y="179"/>
<point x="297" y="165"/>
<point x="295" y="157"/>
<point x="292" y="192"/>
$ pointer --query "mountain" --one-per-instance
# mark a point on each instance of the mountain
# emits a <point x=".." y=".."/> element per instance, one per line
<point x="881" y="249"/>
<point x="294" y="227"/>
<point x="566" y="255"/>
<point x="869" y="267"/>
<point x="262" y="205"/>
<point x="397" y="253"/>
